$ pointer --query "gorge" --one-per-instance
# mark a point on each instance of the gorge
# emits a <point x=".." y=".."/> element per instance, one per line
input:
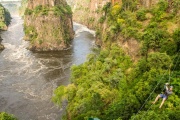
<point x="27" y="79"/>
<point x="139" y="51"/>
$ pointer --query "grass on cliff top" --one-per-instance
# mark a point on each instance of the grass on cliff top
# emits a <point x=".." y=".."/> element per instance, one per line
<point x="59" y="10"/>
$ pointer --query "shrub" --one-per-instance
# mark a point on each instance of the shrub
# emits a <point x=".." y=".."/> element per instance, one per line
<point x="129" y="5"/>
<point x="38" y="9"/>
<point x="5" y="116"/>
<point x="163" y="5"/>
<point x="176" y="37"/>
<point x="68" y="9"/>
<point x="102" y="19"/>
<point x="129" y="32"/>
<point x="28" y="11"/>
<point x="159" y="11"/>
<point x="176" y="6"/>
<point x="45" y="11"/>
<point x="106" y="7"/>
<point x="115" y="10"/>
<point x="141" y="14"/>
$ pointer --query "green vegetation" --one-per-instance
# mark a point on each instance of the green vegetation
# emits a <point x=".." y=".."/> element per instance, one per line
<point x="141" y="14"/>
<point x="31" y="32"/>
<point x="111" y="86"/>
<point x="45" y="35"/>
<point x="5" y="116"/>
<point x="5" y="18"/>
<point x="28" y="12"/>
<point x="62" y="9"/>
<point x="59" y="10"/>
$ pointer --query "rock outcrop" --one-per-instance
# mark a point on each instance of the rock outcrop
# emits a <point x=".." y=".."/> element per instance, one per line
<point x="48" y="25"/>
<point x="5" y="18"/>
<point x="111" y="20"/>
<point x="88" y="12"/>
<point x="1" y="46"/>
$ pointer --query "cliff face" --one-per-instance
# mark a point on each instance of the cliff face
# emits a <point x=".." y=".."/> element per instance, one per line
<point x="23" y="7"/>
<point x="5" y="19"/>
<point x="48" y="25"/>
<point x="124" y="21"/>
<point x="1" y="46"/>
<point x="88" y="12"/>
<point x="151" y="36"/>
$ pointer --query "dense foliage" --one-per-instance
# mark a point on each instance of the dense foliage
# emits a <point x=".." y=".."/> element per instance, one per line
<point x="110" y="85"/>
<point x="5" y="17"/>
<point x="58" y="10"/>
<point x="5" y="116"/>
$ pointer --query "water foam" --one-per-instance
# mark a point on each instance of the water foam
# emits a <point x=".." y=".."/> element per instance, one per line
<point x="83" y="28"/>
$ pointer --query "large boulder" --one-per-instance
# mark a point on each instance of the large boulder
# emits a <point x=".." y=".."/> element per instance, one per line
<point x="1" y="47"/>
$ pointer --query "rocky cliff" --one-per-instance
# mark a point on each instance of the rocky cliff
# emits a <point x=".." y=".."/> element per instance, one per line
<point x="87" y="12"/>
<point x="48" y="25"/>
<point x="5" y="20"/>
<point x="1" y="46"/>
<point x="23" y="7"/>
<point x="120" y="84"/>
<point x="119" y="20"/>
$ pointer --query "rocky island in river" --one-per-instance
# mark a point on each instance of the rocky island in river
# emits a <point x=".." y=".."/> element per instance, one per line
<point x="48" y="25"/>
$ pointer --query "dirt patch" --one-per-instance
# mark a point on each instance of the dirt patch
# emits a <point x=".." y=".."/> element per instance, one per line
<point x="171" y="27"/>
<point x="131" y="47"/>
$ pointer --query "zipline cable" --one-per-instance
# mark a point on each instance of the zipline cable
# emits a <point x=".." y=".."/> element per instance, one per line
<point x="149" y="95"/>
<point x="157" y="86"/>
<point x="163" y="88"/>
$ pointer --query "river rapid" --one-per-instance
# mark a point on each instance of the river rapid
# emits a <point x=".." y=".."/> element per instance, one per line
<point x="27" y="79"/>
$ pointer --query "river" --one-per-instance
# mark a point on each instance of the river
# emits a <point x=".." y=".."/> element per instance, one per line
<point x="27" y="79"/>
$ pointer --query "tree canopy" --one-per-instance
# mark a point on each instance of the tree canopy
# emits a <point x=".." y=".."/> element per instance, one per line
<point x="110" y="85"/>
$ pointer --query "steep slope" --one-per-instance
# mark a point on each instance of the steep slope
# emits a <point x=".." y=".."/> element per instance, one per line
<point x="1" y="46"/>
<point x="48" y="25"/>
<point x="5" y="19"/>
<point x="22" y="8"/>
<point x="87" y="12"/>
<point x="140" y="52"/>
